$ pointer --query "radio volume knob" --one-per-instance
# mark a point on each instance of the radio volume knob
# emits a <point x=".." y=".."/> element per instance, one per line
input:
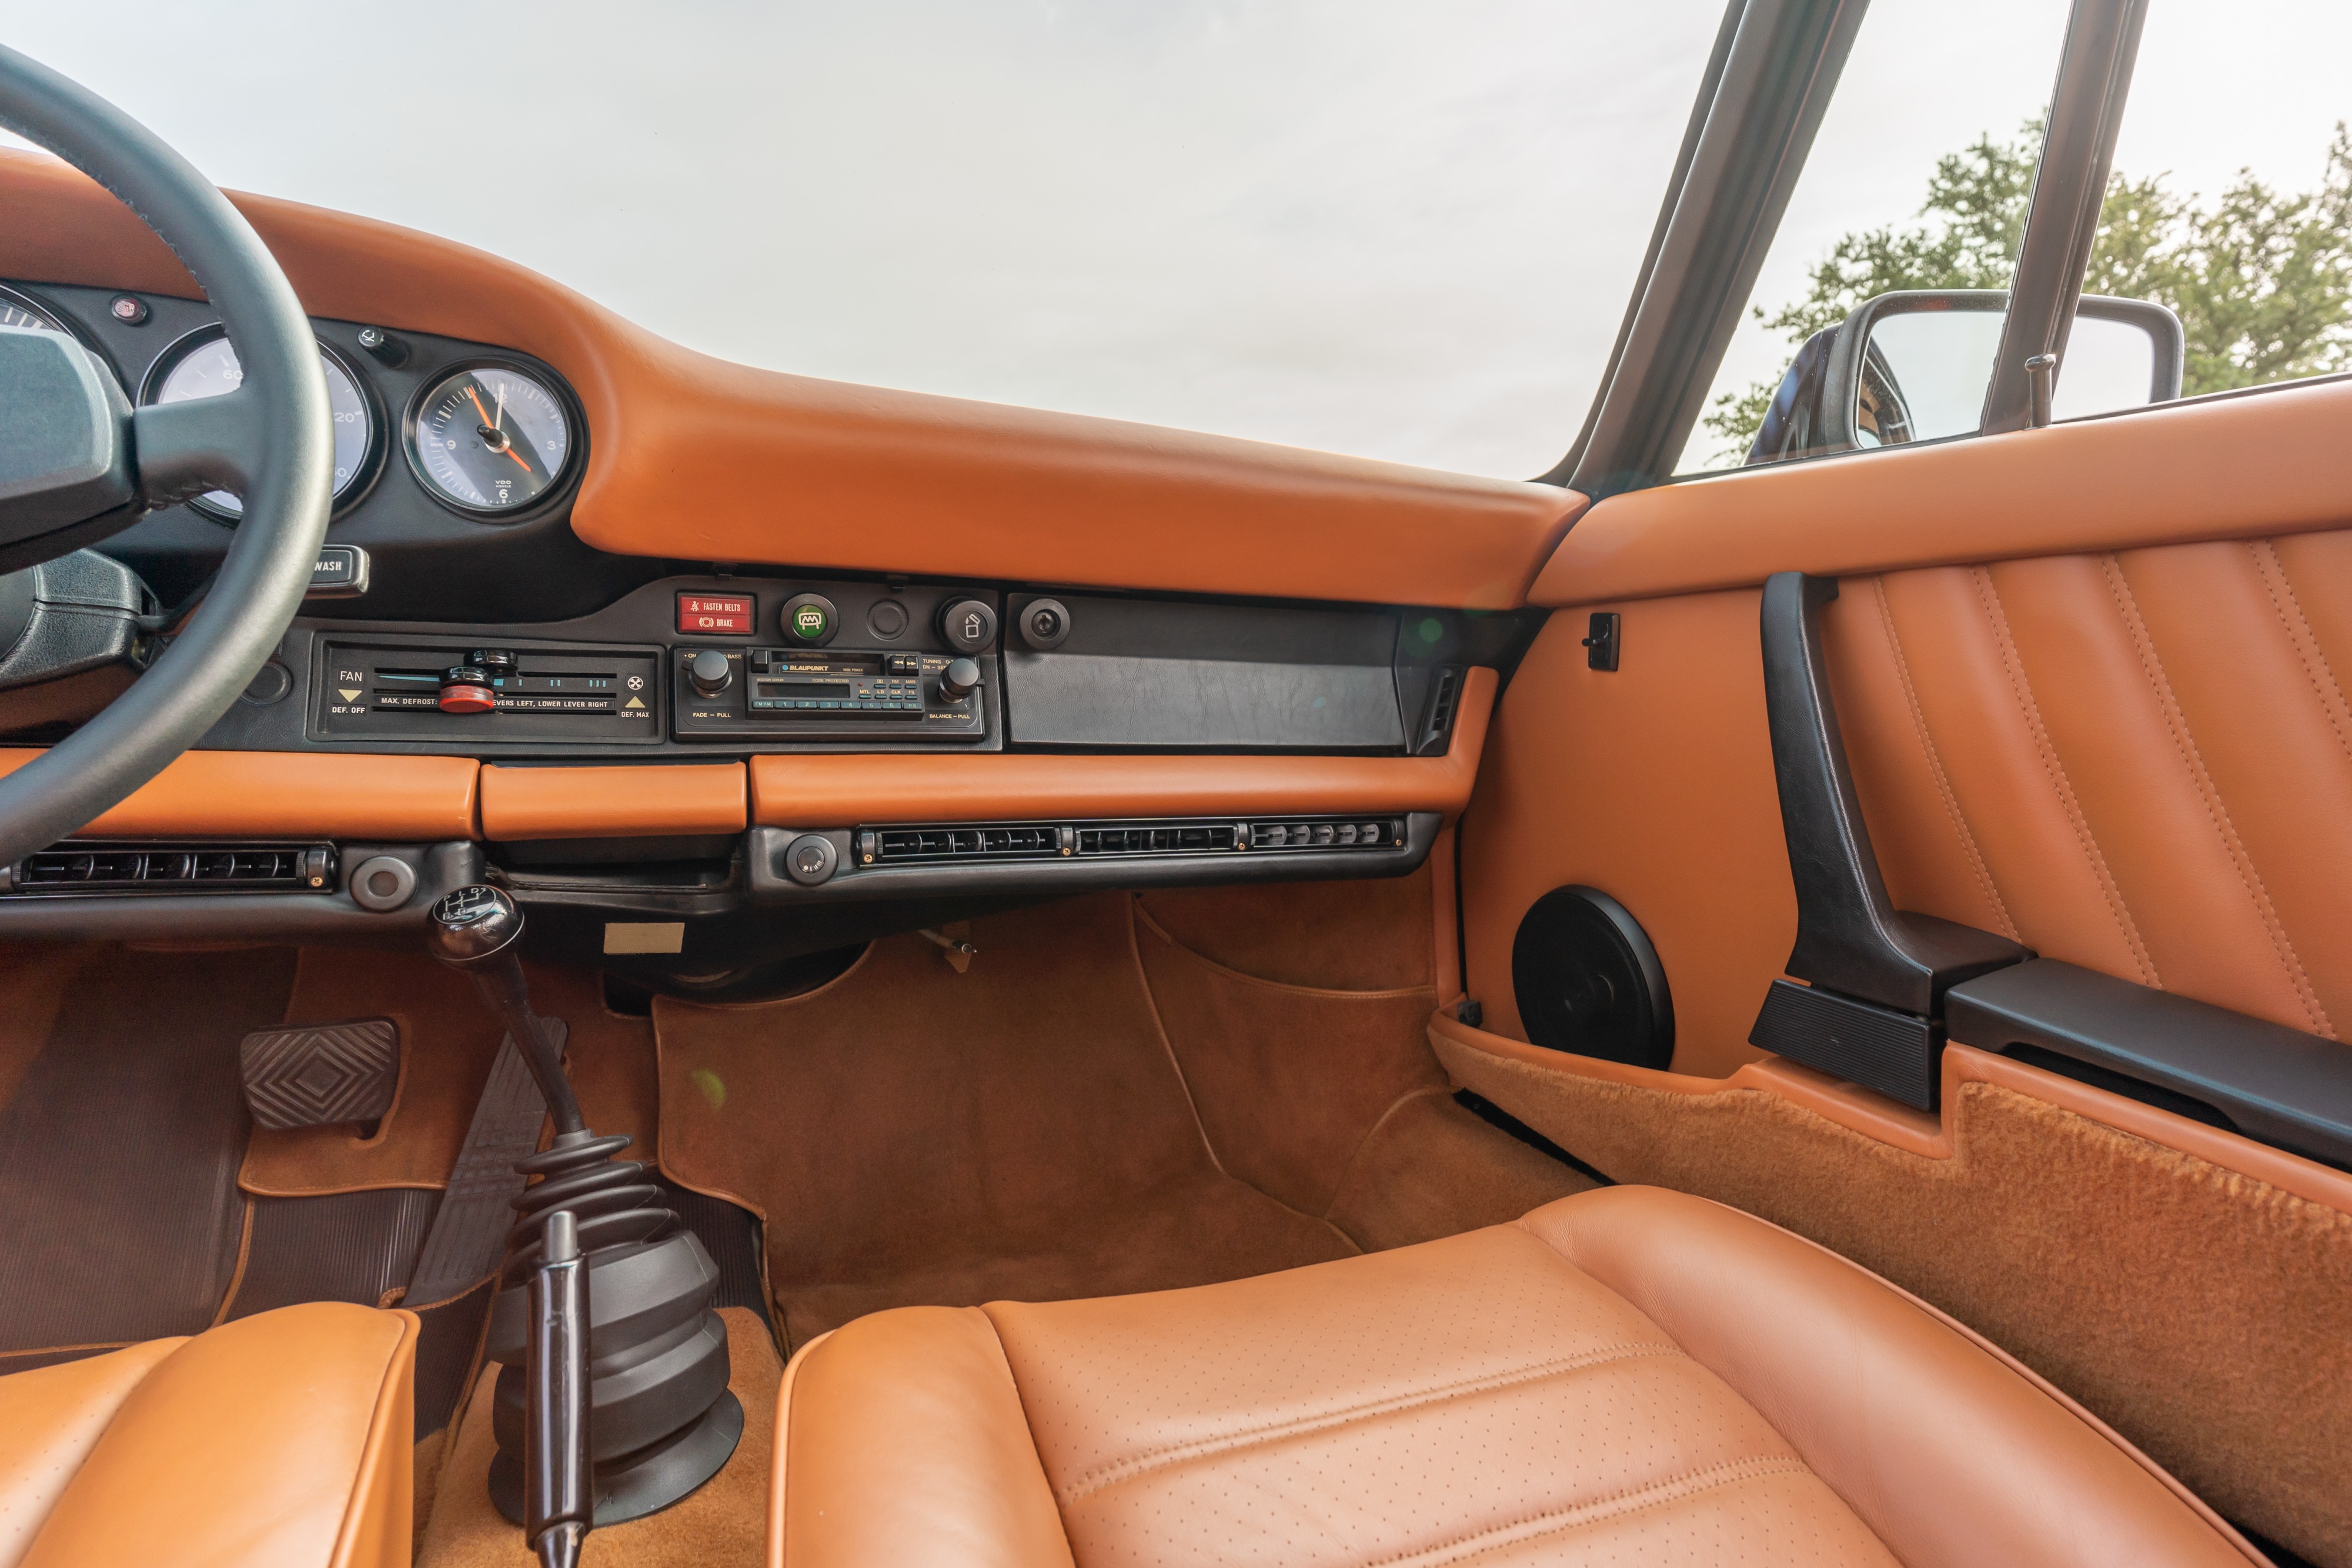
<point x="959" y="679"/>
<point x="710" y="672"/>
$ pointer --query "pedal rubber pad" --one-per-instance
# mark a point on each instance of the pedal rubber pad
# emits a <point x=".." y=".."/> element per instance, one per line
<point x="316" y="1075"/>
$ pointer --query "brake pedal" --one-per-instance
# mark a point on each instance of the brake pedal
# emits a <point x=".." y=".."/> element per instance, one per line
<point x="317" y="1075"/>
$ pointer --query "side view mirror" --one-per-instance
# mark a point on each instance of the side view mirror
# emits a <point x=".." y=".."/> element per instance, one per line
<point x="1914" y="365"/>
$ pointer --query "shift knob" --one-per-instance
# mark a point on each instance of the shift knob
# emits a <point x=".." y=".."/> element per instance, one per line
<point x="471" y="928"/>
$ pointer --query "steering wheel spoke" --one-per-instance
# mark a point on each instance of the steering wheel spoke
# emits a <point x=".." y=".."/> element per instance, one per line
<point x="66" y="459"/>
<point x="185" y="449"/>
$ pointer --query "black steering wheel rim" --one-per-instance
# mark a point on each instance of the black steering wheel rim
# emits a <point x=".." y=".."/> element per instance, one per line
<point x="279" y="457"/>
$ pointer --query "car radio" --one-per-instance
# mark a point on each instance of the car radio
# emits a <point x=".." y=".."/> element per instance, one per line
<point x="828" y="694"/>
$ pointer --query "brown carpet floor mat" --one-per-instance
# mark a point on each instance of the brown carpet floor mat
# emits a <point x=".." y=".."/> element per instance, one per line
<point x="1032" y="1129"/>
<point x="911" y="1135"/>
<point x="724" y="1525"/>
<point x="118" y="1149"/>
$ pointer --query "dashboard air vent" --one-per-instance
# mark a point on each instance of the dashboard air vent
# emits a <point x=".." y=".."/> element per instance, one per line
<point x="1375" y="834"/>
<point x="1445" y="694"/>
<point x="86" y="870"/>
<point x="992" y="842"/>
<point x="1104" y="840"/>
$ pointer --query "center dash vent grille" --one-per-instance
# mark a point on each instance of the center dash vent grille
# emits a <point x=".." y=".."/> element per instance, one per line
<point x="1103" y="840"/>
<point x="998" y="841"/>
<point x="83" y="870"/>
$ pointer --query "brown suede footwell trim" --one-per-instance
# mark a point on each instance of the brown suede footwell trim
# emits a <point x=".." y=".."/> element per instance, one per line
<point x="2206" y="1316"/>
<point x="724" y="1525"/>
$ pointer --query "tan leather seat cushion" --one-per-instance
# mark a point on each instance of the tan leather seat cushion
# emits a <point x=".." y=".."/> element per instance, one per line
<point x="281" y="1440"/>
<point x="1624" y="1377"/>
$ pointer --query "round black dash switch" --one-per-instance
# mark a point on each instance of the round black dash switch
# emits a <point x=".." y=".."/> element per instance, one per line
<point x="1045" y="623"/>
<point x="709" y="671"/>
<point x="959" y="679"/>
<point x="810" y="859"/>
<point x="887" y="619"/>
<point x="809" y="621"/>
<point x="967" y="624"/>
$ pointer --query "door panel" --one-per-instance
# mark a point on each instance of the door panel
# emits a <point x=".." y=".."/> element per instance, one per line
<point x="2124" y="761"/>
<point x="2137" y="762"/>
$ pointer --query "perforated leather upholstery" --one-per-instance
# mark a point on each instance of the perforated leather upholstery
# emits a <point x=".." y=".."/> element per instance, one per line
<point x="281" y="1440"/>
<point x="1625" y="1376"/>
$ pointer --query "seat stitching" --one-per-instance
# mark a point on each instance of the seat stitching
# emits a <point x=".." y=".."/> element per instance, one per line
<point x="1104" y="1475"/>
<point x="2014" y="662"/>
<point x="1616" y="1505"/>
<point x="1935" y="765"/>
<point x="2313" y="657"/>
<point x="2185" y="742"/>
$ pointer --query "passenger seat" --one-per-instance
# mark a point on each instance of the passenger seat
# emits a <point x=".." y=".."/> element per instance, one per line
<point x="1627" y="1376"/>
<point x="281" y="1440"/>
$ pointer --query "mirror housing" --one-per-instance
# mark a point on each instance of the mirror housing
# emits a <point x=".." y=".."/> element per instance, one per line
<point x="1845" y="390"/>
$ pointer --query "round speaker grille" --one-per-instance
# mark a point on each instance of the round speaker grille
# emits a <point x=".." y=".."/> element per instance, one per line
<point x="1587" y="980"/>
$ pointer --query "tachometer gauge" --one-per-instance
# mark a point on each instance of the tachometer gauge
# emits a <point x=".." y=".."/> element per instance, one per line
<point x="16" y="311"/>
<point x="208" y="368"/>
<point x="489" y="439"/>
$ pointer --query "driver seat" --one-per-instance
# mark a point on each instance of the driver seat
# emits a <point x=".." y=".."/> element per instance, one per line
<point x="1628" y="1376"/>
<point x="281" y="1440"/>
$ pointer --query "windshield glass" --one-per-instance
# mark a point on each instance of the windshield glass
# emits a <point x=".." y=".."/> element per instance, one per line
<point x="1374" y="227"/>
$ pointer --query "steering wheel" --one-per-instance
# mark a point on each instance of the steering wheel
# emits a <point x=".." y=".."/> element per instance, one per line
<point x="78" y="463"/>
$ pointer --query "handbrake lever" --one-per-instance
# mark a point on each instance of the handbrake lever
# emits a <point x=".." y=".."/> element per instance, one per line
<point x="560" y="1500"/>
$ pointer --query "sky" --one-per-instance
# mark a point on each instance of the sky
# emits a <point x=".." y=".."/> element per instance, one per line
<point x="1389" y="227"/>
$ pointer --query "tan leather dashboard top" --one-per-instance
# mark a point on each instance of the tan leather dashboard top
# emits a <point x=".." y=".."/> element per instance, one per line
<point x="2235" y="467"/>
<point x="819" y="791"/>
<point x="286" y="794"/>
<point x="626" y="802"/>
<point x="795" y="471"/>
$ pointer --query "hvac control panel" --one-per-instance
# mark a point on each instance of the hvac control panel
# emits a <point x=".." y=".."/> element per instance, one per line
<point x="420" y="690"/>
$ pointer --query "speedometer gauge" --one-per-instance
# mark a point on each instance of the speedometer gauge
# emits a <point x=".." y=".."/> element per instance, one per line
<point x="491" y="439"/>
<point x="16" y="311"/>
<point x="206" y="366"/>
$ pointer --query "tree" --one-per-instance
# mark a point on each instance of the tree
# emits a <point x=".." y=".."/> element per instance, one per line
<point x="2262" y="281"/>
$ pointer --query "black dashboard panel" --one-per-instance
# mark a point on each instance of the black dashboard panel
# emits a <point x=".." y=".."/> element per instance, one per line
<point x="1131" y="674"/>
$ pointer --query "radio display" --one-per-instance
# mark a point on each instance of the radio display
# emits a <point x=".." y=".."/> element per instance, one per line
<point x="803" y="691"/>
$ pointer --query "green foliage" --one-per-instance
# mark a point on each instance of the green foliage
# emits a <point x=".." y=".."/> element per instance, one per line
<point x="2262" y="281"/>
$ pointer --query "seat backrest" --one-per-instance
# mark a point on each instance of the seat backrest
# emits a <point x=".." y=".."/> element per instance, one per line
<point x="281" y="1440"/>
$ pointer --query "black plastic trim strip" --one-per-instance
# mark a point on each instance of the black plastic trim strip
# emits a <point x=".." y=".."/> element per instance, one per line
<point x="1850" y="936"/>
<point x="2278" y="1085"/>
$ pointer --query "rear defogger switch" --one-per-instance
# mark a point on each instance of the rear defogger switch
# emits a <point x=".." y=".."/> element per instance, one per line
<point x="402" y="690"/>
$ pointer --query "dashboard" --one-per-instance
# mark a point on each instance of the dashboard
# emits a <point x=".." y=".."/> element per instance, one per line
<point x="713" y="667"/>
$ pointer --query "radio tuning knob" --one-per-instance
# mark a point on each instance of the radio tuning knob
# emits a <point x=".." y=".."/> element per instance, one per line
<point x="958" y="680"/>
<point x="710" y="672"/>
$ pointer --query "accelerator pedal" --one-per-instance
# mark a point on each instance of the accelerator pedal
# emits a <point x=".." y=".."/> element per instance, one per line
<point x="322" y="1075"/>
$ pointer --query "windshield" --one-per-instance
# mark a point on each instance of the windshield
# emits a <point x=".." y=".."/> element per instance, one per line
<point x="1374" y="227"/>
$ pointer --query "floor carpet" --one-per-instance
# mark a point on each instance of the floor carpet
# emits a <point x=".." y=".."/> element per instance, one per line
<point x="911" y="1133"/>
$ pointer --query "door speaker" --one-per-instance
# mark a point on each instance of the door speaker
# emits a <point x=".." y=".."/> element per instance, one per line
<point x="1587" y="980"/>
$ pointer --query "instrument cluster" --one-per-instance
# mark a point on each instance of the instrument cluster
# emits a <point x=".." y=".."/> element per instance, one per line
<point x="489" y="436"/>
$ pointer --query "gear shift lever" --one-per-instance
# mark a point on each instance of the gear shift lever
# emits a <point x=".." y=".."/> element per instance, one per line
<point x="599" y="1267"/>
<point x="474" y="929"/>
